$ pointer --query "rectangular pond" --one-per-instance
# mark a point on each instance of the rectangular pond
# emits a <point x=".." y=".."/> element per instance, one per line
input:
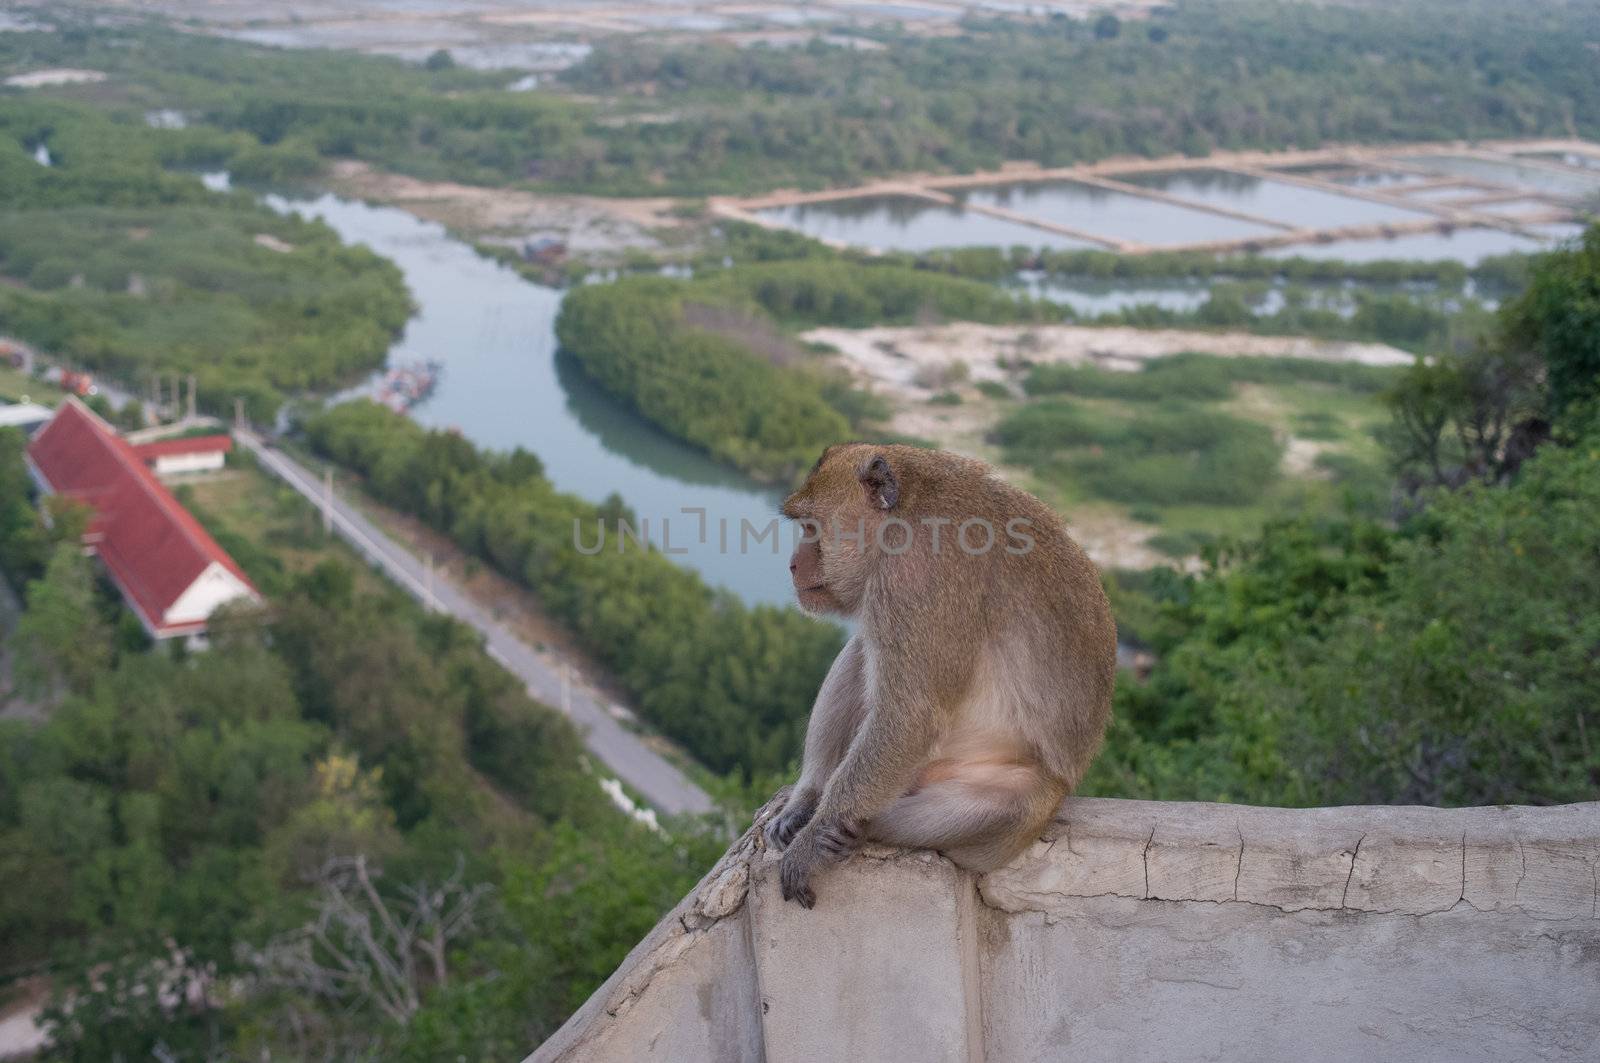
<point x="1103" y="212"/>
<point x="1355" y="178"/>
<point x="1566" y="158"/>
<point x="1468" y="246"/>
<point x="1533" y="178"/>
<point x="1447" y="193"/>
<point x="1279" y="201"/>
<point x="907" y="223"/>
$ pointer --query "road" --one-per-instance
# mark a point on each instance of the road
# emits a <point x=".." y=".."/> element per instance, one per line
<point x="641" y="767"/>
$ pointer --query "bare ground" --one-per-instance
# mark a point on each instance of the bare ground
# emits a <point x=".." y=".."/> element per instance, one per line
<point x="904" y="363"/>
<point x="910" y="365"/>
<point x="588" y="224"/>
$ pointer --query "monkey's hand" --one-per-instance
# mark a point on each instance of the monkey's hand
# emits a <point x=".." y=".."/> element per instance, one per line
<point x="797" y="812"/>
<point x="820" y="844"/>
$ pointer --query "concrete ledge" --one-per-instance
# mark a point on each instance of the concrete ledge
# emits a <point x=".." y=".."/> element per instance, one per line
<point x="1139" y="930"/>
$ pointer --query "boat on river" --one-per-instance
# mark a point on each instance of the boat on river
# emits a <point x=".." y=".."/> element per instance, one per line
<point x="405" y="385"/>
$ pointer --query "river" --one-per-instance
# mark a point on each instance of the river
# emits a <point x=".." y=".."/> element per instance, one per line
<point x="504" y="385"/>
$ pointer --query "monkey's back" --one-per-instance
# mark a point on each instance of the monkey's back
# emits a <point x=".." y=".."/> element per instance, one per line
<point x="1052" y="624"/>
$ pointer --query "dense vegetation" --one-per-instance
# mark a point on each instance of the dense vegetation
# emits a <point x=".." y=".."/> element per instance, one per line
<point x="1194" y="443"/>
<point x="1449" y="660"/>
<point x="705" y="361"/>
<point x="119" y="266"/>
<point x="176" y="827"/>
<point x="1494" y="273"/>
<point x="637" y="340"/>
<point x="714" y="118"/>
<point x="273" y="114"/>
<point x="1200" y="77"/>
<point x="732" y="683"/>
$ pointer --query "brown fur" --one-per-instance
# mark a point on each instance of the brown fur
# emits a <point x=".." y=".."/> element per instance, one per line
<point x="977" y="687"/>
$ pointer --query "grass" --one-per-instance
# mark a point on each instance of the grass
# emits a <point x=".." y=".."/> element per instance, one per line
<point x="1169" y="454"/>
<point x="14" y="384"/>
<point x="267" y="526"/>
<point x="1203" y="377"/>
<point x="1197" y="445"/>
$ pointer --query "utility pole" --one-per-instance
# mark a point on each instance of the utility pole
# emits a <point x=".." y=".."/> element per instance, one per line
<point x="238" y="410"/>
<point x="193" y="408"/>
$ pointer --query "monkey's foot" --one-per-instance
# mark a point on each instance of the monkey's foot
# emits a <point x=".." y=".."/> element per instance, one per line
<point x="782" y="828"/>
<point x="794" y="882"/>
<point x="838" y="838"/>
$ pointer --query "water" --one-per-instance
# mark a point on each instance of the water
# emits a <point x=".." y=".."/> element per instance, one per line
<point x="41" y="155"/>
<point x="503" y="386"/>
<point x="1467" y="246"/>
<point x="1379" y="179"/>
<point x="1568" y="158"/>
<point x="1102" y="212"/>
<point x="1531" y="178"/>
<point x="1445" y="193"/>
<point x="907" y="223"/>
<point x="1091" y="298"/>
<point x="166" y="118"/>
<point x="1277" y="201"/>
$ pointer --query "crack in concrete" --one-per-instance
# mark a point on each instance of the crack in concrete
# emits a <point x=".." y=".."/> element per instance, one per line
<point x="1237" y="871"/>
<point x="1034" y="901"/>
<point x="1463" y="894"/>
<point x="1354" y="855"/>
<point x="1516" y="890"/>
<point x="1147" y="843"/>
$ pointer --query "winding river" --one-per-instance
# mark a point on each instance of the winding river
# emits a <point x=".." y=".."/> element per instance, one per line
<point x="504" y="385"/>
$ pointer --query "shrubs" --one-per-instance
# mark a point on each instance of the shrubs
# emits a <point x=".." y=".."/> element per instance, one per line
<point x="1036" y="430"/>
<point x="702" y="359"/>
<point x="707" y="388"/>
<point x="858" y="295"/>
<point x="733" y="684"/>
<point x="130" y="270"/>
<point x="1171" y="455"/>
<point x="1193" y="377"/>
<point x="1176" y="456"/>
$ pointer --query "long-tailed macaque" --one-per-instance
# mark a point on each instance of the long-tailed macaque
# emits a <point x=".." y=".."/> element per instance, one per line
<point x="977" y="686"/>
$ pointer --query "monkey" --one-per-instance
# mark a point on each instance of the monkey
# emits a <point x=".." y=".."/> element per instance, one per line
<point x="976" y="686"/>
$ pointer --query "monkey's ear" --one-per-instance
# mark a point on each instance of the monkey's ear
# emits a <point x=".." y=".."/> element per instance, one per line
<point x="883" y="487"/>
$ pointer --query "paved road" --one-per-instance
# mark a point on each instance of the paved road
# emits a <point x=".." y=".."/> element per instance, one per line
<point x="662" y="784"/>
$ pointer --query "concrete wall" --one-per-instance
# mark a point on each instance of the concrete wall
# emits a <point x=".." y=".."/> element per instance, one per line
<point x="1139" y="931"/>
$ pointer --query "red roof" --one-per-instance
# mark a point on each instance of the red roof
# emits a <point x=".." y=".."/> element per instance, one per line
<point x="161" y="448"/>
<point x="153" y="548"/>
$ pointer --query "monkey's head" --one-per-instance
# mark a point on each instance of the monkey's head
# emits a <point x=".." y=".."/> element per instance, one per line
<point x="851" y="490"/>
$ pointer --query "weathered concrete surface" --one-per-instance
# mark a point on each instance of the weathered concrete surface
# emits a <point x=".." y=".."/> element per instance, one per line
<point x="687" y="991"/>
<point x="1141" y="931"/>
<point x="888" y="927"/>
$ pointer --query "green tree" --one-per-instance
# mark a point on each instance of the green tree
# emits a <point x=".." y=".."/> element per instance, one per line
<point x="62" y="637"/>
<point x="1558" y="317"/>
